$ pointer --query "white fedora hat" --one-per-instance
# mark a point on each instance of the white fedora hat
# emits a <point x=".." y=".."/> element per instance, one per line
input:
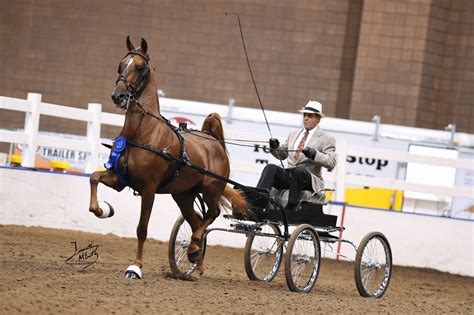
<point x="313" y="107"/>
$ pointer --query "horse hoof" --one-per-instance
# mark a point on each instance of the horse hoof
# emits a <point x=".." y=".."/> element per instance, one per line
<point x="133" y="272"/>
<point x="193" y="257"/>
<point x="107" y="210"/>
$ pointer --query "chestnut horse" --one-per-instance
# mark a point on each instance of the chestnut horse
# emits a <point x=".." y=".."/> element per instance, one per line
<point x="135" y="162"/>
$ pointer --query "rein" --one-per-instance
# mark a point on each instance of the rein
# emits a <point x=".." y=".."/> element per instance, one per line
<point x="192" y="132"/>
<point x="133" y="94"/>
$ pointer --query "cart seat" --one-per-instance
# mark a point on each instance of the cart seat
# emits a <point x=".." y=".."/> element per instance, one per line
<point x="281" y="196"/>
<point x="257" y="199"/>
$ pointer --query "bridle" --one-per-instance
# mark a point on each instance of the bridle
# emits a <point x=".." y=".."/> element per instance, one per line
<point x="133" y="93"/>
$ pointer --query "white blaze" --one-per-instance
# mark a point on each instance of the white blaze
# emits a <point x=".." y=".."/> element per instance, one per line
<point x="129" y="63"/>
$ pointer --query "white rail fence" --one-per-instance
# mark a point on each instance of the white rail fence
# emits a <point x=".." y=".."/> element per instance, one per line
<point x="33" y="108"/>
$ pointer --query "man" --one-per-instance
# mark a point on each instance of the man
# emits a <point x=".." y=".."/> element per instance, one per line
<point x="307" y="150"/>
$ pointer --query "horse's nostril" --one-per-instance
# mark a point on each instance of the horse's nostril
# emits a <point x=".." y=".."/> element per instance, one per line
<point x="118" y="98"/>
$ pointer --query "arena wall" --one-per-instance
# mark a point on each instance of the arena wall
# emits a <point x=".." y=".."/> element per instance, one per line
<point x="35" y="198"/>
<point x="410" y="62"/>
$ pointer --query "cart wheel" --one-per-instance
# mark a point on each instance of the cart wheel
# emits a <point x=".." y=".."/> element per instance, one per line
<point x="373" y="265"/>
<point x="263" y="254"/>
<point x="303" y="258"/>
<point x="180" y="238"/>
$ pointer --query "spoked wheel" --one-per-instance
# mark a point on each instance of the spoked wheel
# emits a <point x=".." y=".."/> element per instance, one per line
<point x="180" y="238"/>
<point x="303" y="259"/>
<point x="373" y="265"/>
<point x="263" y="253"/>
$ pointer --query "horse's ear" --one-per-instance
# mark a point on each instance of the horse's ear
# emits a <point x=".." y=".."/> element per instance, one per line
<point x="144" y="45"/>
<point x="129" y="44"/>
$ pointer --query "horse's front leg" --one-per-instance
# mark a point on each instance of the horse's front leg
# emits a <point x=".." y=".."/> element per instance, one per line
<point x="148" y="197"/>
<point x="109" y="179"/>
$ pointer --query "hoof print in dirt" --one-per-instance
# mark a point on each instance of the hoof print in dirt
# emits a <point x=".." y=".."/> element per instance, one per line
<point x="181" y="276"/>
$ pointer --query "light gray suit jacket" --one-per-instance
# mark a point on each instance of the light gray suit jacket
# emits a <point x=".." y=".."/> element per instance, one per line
<point x="325" y="146"/>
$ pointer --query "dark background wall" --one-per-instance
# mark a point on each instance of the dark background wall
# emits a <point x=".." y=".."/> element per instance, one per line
<point x="411" y="62"/>
<point x="415" y="63"/>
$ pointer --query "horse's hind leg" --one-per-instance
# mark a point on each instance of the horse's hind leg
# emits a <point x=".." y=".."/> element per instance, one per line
<point x="185" y="202"/>
<point x="211" y="197"/>
<point x="107" y="178"/>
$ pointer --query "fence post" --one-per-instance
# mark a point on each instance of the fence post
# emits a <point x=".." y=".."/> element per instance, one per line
<point x="341" y="169"/>
<point x="231" y="105"/>
<point x="31" y="129"/>
<point x="341" y="229"/>
<point x="93" y="136"/>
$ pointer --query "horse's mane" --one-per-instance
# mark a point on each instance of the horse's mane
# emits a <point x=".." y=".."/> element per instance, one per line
<point x="213" y="126"/>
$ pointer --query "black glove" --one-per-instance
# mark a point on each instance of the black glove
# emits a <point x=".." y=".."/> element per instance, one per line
<point x="274" y="143"/>
<point x="310" y="153"/>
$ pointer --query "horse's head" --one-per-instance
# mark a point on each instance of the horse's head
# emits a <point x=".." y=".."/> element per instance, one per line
<point x="134" y="73"/>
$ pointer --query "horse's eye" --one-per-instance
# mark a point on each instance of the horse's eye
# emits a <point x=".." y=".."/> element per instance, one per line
<point x="139" y="68"/>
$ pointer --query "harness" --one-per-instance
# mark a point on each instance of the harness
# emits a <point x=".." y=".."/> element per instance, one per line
<point x="120" y="144"/>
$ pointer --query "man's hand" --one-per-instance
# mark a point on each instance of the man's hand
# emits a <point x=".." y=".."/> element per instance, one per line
<point x="310" y="153"/>
<point x="274" y="143"/>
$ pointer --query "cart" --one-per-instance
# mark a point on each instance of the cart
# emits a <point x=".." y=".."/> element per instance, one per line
<point x="269" y="239"/>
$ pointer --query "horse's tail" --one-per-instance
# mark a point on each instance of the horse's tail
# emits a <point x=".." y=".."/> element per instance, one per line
<point x="240" y="206"/>
<point x="213" y="125"/>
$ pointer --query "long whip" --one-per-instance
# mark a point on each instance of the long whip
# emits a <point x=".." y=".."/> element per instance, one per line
<point x="250" y="69"/>
<point x="251" y="74"/>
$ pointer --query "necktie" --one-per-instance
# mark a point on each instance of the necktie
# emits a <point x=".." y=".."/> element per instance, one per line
<point x="301" y="145"/>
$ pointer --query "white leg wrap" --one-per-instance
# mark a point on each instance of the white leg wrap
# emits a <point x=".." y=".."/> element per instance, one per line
<point x="135" y="269"/>
<point x="107" y="210"/>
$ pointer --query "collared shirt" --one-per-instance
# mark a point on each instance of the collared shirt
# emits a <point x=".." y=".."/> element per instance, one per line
<point x="310" y="134"/>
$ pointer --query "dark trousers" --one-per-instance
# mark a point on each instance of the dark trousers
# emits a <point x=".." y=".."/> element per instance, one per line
<point x="296" y="179"/>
